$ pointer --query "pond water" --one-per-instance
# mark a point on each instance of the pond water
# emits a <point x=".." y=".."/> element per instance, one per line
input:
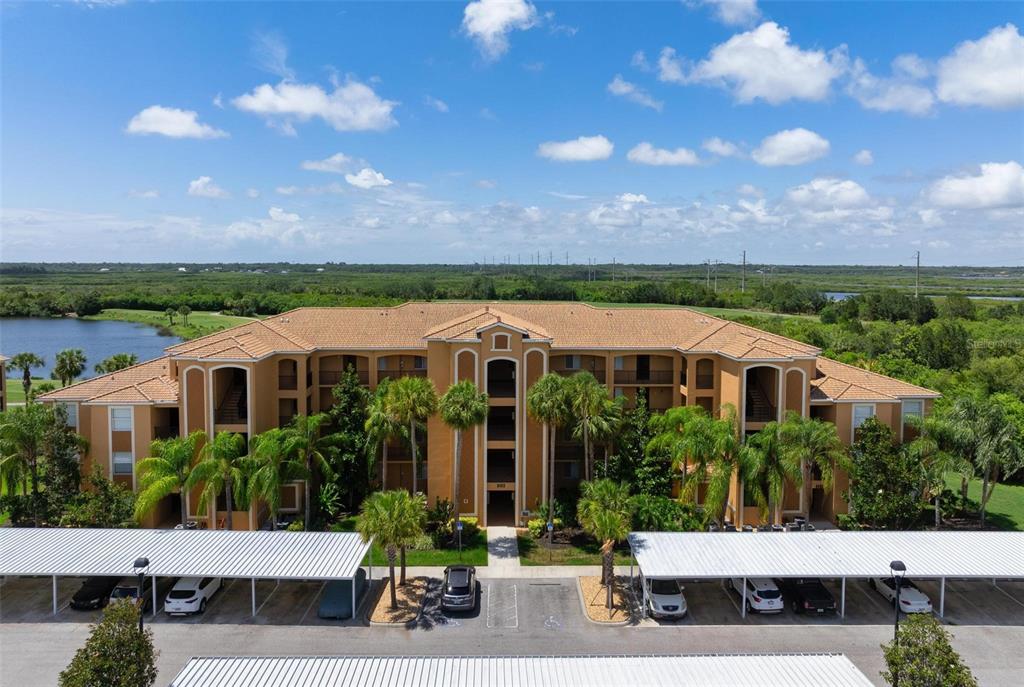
<point x="843" y="295"/>
<point x="97" y="339"/>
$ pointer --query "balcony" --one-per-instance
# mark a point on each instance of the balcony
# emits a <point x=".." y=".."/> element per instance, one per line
<point x="599" y="374"/>
<point x="398" y="374"/>
<point x="284" y="420"/>
<point x="706" y="381"/>
<point x="165" y="432"/>
<point x="287" y="382"/>
<point x="633" y="377"/>
<point x="332" y="377"/>
<point x="501" y="432"/>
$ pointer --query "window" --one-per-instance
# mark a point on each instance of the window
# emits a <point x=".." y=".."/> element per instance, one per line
<point x="501" y="342"/>
<point x="72" y="412"/>
<point x="705" y="373"/>
<point x="419" y="362"/>
<point x="123" y="462"/>
<point x="572" y="362"/>
<point x="619" y="393"/>
<point x="382" y="363"/>
<point x="620" y="362"/>
<point x="913" y="409"/>
<point x="861" y="413"/>
<point x="120" y="419"/>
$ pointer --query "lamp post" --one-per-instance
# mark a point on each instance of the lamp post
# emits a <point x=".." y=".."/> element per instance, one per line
<point x="898" y="570"/>
<point x="141" y="567"/>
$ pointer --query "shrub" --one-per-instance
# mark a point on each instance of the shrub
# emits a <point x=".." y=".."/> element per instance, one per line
<point x="422" y="542"/>
<point x="538" y="526"/>
<point x="116" y="653"/>
<point x="294" y="526"/>
<point x="924" y="657"/>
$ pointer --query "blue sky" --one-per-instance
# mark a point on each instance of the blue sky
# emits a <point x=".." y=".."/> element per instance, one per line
<point x="450" y="132"/>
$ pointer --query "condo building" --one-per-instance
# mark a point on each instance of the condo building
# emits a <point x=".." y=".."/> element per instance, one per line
<point x="260" y="375"/>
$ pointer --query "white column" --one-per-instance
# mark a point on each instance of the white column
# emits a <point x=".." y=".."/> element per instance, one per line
<point x="153" y="614"/>
<point x="942" y="597"/>
<point x="55" y="595"/>
<point x="743" y="608"/>
<point x="354" y="596"/>
<point x="253" y="581"/>
<point x="842" y="604"/>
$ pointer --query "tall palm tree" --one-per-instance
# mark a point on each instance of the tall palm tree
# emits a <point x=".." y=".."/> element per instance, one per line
<point x="118" y="361"/>
<point x="220" y="469"/>
<point x="25" y="362"/>
<point x="812" y="442"/>
<point x="70" y="363"/>
<point x="414" y="520"/>
<point x="310" y="448"/>
<point x="166" y="471"/>
<point x="411" y="400"/>
<point x="270" y="465"/>
<point x="381" y="427"/>
<point x="184" y="311"/>
<point x="388" y="518"/>
<point x="22" y="436"/>
<point x="686" y="434"/>
<point x="170" y="313"/>
<point x="588" y="399"/>
<point x="768" y="468"/>
<point x="462" y="407"/>
<point x="547" y="402"/>
<point x="604" y="513"/>
<point x="727" y="459"/>
<point x="934" y="450"/>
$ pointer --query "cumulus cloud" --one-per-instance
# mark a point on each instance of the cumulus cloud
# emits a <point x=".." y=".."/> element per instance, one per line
<point x="633" y="93"/>
<point x="639" y="61"/>
<point x="351" y="106"/>
<point x="733" y="12"/>
<point x="628" y="200"/>
<point x="582" y="149"/>
<point x="279" y="215"/>
<point x="760" y="64"/>
<point x="987" y="72"/>
<point x="367" y="178"/>
<point x="790" y="147"/>
<point x="749" y="190"/>
<point x="996" y="185"/>
<point x="489" y="23"/>
<point x="721" y="148"/>
<point x="252" y="193"/>
<point x="646" y="154"/>
<point x="171" y="122"/>
<point x="901" y="92"/>
<point x="203" y="187"/>
<point x="827" y="193"/>
<point x="435" y="103"/>
<point x="338" y="163"/>
<point x="864" y="157"/>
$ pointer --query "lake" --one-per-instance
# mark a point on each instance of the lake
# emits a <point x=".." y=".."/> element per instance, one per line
<point x="843" y="295"/>
<point x="97" y="339"/>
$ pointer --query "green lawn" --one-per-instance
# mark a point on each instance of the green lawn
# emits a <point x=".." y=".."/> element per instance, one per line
<point x="730" y="313"/>
<point x="199" y="323"/>
<point x="474" y="551"/>
<point x="536" y="552"/>
<point x="16" y="392"/>
<point x="1005" y="508"/>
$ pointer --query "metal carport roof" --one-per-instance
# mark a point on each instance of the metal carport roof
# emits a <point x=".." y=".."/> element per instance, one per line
<point x="182" y="553"/>
<point x="697" y="555"/>
<point x="738" y="670"/>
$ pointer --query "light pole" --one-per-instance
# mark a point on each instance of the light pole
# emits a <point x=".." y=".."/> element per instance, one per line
<point x="898" y="570"/>
<point x="141" y="567"/>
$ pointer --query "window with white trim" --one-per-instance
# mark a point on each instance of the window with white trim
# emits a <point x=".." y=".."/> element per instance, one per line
<point x="861" y="413"/>
<point x="419" y="362"/>
<point x="121" y="419"/>
<point x="912" y="408"/>
<point x="572" y="362"/>
<point x="71" y="409"/>
<point x="122" y="461"/>
<point x="501" y="342"/>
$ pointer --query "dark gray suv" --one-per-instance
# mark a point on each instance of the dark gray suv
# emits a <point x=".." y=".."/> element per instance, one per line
<point x="459" y="593"/>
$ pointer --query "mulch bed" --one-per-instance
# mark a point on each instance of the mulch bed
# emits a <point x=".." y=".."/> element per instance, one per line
<point x="595" y="600"/>
<point x="410" y="600"/>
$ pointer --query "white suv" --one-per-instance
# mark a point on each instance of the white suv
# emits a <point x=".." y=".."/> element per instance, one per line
<point x="762" y="594"/>
<point x="190" y="595"/>
<point x="912" y="599"/>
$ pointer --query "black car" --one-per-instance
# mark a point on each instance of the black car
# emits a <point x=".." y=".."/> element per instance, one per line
<point x="459" y="593"/>
<point x="128" y="588"/>
<point x="807" y="595"/>
<point x="94" y="593"/>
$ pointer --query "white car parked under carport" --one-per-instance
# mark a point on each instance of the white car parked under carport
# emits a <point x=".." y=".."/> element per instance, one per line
<point x="762" y="594"/>
<point x="190" y="595"/>
<point x="665" y="599"/>
<point x="912" y="599"/>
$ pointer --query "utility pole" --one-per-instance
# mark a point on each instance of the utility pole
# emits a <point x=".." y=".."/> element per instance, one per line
<point x="707" y="279"/>
<point x="917" y="274"/>
<point x="716" y="276"/>
<point x="743" y="274"/>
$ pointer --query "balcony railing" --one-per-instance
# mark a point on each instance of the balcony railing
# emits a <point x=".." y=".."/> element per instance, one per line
<point x="165" y="431"/>
<point x="706" y="381"/>
<point x="501" y="388"/>
<point x="287" y="382"/>
<point x="332" y="377"/>
<point x="651" y="377"/>
<point x="501" y="432"/>
<point x="599" y="374"/>
<point x="398" y="374"/>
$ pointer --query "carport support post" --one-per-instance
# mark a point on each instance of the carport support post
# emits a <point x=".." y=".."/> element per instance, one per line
<point x="743" y="607"/>
<point x="942" y="597"/>
<point x="842" y="600"/>
<point x="153" y="615"/>
<point x="55" y="595"/>
<point x="354" y="596"/>
<point x="253" y="580"/>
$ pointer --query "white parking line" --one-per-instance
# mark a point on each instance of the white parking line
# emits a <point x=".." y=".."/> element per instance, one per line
<point x="316" y="597"/>
<point x="260" y="607"/>
<point x="515" y="607"/>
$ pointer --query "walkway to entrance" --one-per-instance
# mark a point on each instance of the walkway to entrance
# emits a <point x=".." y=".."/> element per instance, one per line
<point x="502" y="552"/>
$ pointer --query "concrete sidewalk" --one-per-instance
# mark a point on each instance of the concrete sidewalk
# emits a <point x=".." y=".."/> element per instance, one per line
<point x="498" y="572"/>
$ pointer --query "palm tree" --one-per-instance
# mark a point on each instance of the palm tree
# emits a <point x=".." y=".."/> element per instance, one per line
<point x="414" y="519"/>
<point x="25" y="362"/>
<point x="184" y="311"/>
<point x="769" y="468"/>
<point x="310" y="448"/>
<point x="271" y="464"/>
<point x="547" y="401"/>
<point x="70" y="364"/>
<point x="607" y="425"/>
<point x="380" y="426"/>
<point x="462" y="407"/>
<point x="812" y="442"/>
<point x="934" y="450"/>
<point x="588" y="399"/>
<point x="118" y="361"/>
<point x="727" y="459"/>
<point x="22" y="437"/>
<point x="170" y="313"/>
<point x="604" y="513"/>
<point x="166" y="471"/>
<point x="684" y="434"/>
<point x="411" y="400"/>
<point x="220" y="469"/>
<point x="388" y="518"/>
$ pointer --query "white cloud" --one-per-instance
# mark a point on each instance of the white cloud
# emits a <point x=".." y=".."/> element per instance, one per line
<point x="734" y="12"/>
<point x="171" y="122"/>
<point x="827" y="193"/>
<point x="646" y="154"/>
<point x="790" y="147"/>
<point x="717" y="146"/>
<point x="567" y="196"/>
<point x="987" y="72"/>
<point x="997" y="185"/>
<point x="633" y="93"/>
<point x="582" y="149"/>
<point x="147" y="194"/>
<point x="218" y="101"/>
<point x="628" y="200"/>
<point x="749" y="190"/>
<point x="489" y="22"/>
<point x="899" y="93"/>
<point x="761" y="64"/>
<point x="203" y="187"/>
<point x="338" y="163"/>
<point x="488" y="114"/>
<point x="252" y="193"/>
<point x="435" y="103"/>
<point x="279" y="215"/>
<point x="639" y="61"/>
<point x="486" y="183"/>
<point x="351" y="106"/>
<point x="864" y="157"/>
<point x="271" y="54"/>
<point x="367" y="178"/>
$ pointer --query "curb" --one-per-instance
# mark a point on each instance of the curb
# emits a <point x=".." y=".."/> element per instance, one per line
<point x="600" y="623"/>
<point x="407" y="624"/>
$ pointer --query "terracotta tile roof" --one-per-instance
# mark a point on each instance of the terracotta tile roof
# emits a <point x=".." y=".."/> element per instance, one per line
<point x="836" y="381"/>
<point x="146" y="382"/>
<point x="565" y="325"/>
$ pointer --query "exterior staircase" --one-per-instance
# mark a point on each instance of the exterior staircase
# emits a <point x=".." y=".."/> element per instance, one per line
<point x="759" y="409"/>
<point x="232" y="409"/>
